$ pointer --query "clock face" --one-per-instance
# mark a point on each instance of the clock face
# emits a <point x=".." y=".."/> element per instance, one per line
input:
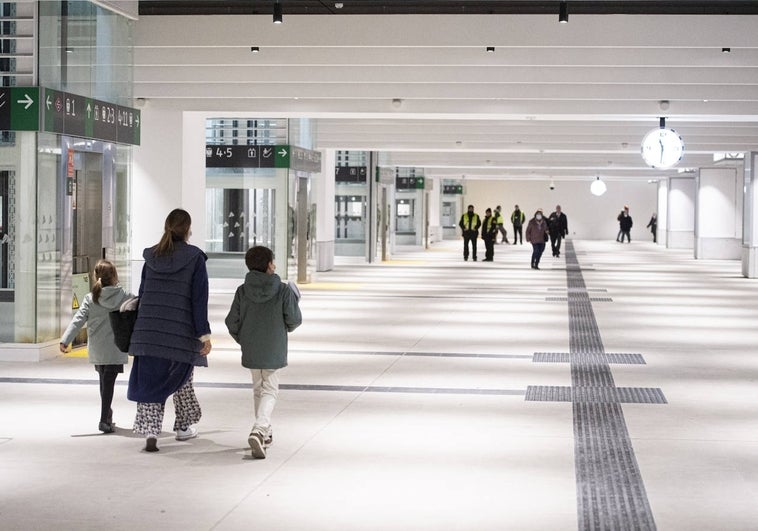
<point x="662" y="148"/>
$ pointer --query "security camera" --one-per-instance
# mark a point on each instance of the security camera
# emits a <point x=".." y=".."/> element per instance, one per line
<point x="552" y="186"/>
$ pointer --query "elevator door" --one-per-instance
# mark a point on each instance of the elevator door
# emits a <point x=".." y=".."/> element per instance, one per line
<point x="88" y="214"/>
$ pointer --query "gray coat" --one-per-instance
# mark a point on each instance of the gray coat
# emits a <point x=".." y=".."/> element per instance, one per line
<point x="263" y="311"/>
<point x="102" y="349"/>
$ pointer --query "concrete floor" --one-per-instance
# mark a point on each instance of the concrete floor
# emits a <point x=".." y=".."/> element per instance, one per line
<point x="404" y="407"/>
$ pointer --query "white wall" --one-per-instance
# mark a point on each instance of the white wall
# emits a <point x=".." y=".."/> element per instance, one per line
<point x="156" y="177"/>
<point x="681" y="213"/>
<point x="589" y="217"/>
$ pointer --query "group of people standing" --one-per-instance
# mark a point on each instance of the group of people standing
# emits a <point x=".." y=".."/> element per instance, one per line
<point x="172" y="334"/>
<point x="538" y="231"/>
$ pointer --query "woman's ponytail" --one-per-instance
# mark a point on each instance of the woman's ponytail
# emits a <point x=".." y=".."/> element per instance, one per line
<point x="105" y="275"/>
<point x="176" y="228"/>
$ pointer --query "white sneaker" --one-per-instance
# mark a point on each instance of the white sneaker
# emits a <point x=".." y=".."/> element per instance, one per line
<point x="255" y="440"/>
<point x="184" y="435"/>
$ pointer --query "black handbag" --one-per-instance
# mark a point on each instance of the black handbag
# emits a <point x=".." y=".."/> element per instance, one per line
<point x="122" y="323"/>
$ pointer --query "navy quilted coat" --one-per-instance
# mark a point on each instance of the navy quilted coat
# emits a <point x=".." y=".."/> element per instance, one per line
<point x="173" y="310"/>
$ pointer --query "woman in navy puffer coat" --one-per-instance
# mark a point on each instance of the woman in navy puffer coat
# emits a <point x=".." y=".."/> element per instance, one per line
<point x="172" y="334"/>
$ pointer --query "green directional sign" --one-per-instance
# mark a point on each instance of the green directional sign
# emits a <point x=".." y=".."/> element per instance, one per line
<point x="297" y="158"/>
<point x="262" y="156"/>
<point x="55" y="111"/>
<point x="19" y="109"/>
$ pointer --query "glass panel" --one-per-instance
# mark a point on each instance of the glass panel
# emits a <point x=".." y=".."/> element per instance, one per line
<point x="48" y="255"/>
<point x="86" y="50"/>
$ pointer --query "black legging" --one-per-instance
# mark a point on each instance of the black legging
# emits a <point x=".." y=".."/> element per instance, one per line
<point x="107" y="383"/>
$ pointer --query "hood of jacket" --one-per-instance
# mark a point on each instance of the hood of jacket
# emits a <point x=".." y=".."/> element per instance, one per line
<point x="183" y="254"/>
<point x="111" y="297"/>
<point x="261" y="287"/>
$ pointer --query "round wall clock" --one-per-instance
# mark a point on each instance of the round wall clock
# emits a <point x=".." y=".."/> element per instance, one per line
<point x="662" y="148"/>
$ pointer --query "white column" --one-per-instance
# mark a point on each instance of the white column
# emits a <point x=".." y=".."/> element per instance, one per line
<point x="323" y="196"/>
<point x="680" y="229"/>
<point x="718" y="214"/>
<point x="750" y="220"/>
<point x="663" y="191"/>
<point x="435" y="227"/>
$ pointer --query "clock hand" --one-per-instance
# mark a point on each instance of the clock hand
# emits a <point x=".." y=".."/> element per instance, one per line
<point x="661" y="143"/>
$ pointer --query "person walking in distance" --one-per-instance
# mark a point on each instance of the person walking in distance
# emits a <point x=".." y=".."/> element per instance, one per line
<point x="470" y="224"/>
<point x="625" y="225"/>
<point x="489" y="235"/>
<point x="172" y="334"/>
<point x="517" y="220"/>
<point x="500" y="221"/>
<point x="537" y="235"/>
<point x="263" y="312"/>
<point x="558" y="227"/>
<point x="653" y="226"/>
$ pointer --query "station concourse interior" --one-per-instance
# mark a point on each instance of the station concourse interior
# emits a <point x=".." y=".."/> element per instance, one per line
<point x="405" y="406"/>
<point x="612" y="388"/>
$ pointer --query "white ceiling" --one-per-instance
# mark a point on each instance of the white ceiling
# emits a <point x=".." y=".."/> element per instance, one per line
<point x="560" y="101"/>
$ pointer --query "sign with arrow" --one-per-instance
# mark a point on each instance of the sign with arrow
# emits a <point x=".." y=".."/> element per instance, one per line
<point x="71" y="114"/>
<point x="19" y="109"/>
<point x="67" y="114"/>
<point x="241" y="156"/>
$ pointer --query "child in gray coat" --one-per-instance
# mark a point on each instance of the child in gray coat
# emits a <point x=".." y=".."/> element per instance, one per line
<point x="264" y="310"/>
<point x="106" y="296"/>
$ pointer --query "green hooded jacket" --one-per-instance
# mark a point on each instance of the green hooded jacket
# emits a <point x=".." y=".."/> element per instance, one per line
<point x="264" y="310"/>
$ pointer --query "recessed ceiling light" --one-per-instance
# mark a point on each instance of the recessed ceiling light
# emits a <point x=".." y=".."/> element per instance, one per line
<point x="726" y="50"/>
<point x="255" y="49"/>
<point x="490" y="49"/>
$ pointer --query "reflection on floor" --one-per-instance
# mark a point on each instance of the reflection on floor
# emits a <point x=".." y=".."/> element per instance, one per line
<point x="614" y="388"/>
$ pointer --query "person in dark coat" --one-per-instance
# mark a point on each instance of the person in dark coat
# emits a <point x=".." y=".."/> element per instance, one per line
<point x="490" y="227"/>
<point x="263" y="312"/>
<point x="537" y="235"/>
<point x="469" y="225"/>
<point x="517" y="219"/>
<point x="653" y="226"/>
<point x="558" y="227"/>
<point x="625" y="225"/>
<point x="172" y="334"/>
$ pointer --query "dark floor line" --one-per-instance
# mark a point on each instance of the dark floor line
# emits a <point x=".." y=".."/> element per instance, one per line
<point x="295" y="387"/>
<point x="403" y="353"/>
<point x="610" y="491"/>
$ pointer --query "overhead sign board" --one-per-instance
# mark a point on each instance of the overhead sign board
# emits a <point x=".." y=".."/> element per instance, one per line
<point x="285" y="156"/>
<point x="74" y="115"/>
<point x="19" y="109"/>
<point x="301" y="159"/>
<point x="409" y="183"/>
<point x="452" y="189"/>
<point x="350" y="174"/>
<point x="54" y="111"/>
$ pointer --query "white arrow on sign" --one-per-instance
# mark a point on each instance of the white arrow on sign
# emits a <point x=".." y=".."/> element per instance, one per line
<point x="283" y="152"/>
<point x="48" y="102"/>
<point x="27" y="100"/>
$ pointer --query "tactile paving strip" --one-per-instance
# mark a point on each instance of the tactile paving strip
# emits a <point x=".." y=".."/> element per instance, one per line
<point x="565" y="299"/>
<point x="601" y="357"/>
<point x="610" y="490"/>
<point x="595" y="395"/>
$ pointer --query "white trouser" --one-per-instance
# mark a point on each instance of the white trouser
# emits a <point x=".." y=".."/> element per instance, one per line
<point x="265" y="393"/>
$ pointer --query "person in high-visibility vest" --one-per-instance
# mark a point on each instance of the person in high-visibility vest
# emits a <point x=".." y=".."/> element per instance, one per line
<point x="489" y="235"/>
<point x="470" y="224"/>
<point x="500" y="220"/>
